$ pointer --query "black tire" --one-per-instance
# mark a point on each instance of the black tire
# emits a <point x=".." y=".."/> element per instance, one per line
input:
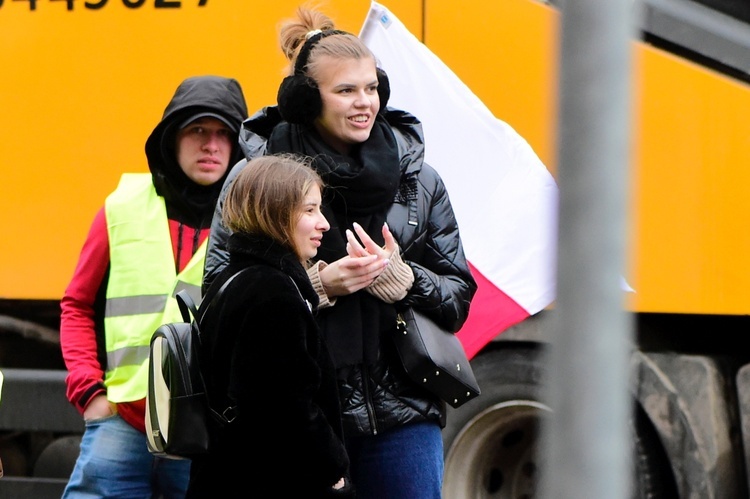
<point x="653" y="477"/>
<point x="58" y="458"/>
<point x="491" y="442"/>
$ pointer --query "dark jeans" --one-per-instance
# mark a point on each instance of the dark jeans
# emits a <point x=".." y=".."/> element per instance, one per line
<point x="402" y="463"/>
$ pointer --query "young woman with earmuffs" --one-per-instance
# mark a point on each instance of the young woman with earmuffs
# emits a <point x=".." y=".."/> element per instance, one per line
<point x="393" y="243"/>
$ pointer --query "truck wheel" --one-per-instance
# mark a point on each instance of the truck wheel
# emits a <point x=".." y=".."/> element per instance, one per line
<point x="653" y="473"/>
<point x="58" y="458"/>
<point x="491" y="442"/>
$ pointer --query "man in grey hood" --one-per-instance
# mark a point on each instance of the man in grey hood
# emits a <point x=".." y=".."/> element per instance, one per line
<point x="144" y="245"/>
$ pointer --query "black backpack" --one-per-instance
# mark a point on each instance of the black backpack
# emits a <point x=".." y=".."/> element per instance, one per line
<point x="177" y="405"/>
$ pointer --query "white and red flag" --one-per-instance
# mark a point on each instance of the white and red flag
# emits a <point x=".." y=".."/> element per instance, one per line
<point x="505" y="199"/>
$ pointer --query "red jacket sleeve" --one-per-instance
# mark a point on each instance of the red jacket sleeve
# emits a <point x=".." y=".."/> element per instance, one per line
<point x="78" y="320"/>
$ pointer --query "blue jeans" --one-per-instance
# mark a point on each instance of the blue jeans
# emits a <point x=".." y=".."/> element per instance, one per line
<point x="114" y="462"/>
<point x="403" y="463"/>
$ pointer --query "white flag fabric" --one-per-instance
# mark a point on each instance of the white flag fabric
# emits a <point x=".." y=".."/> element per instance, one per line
<point x="505" y="199"/>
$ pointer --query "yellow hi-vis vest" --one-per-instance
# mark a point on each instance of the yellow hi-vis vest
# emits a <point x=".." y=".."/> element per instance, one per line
<point x="142" y="283"/>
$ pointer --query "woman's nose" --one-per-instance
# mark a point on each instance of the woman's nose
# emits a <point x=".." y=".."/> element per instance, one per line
<point x="324" y="225"/>
<point x="364" y="99"/>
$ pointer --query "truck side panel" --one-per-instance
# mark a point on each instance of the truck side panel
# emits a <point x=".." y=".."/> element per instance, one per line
<point x="689" y="176"/>
<point x="82" y="88"/>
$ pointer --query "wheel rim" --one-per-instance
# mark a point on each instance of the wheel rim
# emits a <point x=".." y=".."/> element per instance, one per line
<point x="494" y="455"/>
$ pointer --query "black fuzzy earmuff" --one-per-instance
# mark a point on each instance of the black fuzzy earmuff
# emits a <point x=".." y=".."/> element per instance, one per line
<point x="298" y="96"/>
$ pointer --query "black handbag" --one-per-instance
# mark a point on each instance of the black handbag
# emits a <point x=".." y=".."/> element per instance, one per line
<point x="434" y="358"/>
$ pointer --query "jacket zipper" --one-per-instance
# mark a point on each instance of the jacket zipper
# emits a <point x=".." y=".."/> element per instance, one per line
<point x="368" y="399"/>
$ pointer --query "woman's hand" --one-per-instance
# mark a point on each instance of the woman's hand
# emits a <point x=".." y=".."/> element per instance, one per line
<point x="351" y="273"/>
<point x="364" y="263"/>
<point x="368" y="246"/>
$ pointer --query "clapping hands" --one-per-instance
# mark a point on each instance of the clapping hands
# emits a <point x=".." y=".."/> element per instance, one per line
<point x="364" y="262"/>
<point x="367" y="246"/>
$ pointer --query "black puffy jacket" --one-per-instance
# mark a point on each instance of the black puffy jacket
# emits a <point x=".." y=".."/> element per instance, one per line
<point x="375" y="398"/>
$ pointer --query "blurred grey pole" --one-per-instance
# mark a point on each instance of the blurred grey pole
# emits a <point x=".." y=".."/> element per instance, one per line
<point x="586" y="442"/>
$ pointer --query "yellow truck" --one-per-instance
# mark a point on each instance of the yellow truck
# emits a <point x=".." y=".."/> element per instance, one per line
<point x="84" y="82"/>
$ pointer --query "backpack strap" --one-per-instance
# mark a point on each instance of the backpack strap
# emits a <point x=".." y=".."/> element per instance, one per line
<point x="188" y="309"/>
<point x="216" y="297"/>
<point x="309" y="305"/>
<point x="227" y="415"/>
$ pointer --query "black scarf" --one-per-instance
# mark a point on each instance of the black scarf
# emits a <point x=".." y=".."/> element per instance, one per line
<point x="359" y="188"/>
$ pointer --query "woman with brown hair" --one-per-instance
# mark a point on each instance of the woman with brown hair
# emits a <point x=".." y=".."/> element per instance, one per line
<point x="262" y="348"/>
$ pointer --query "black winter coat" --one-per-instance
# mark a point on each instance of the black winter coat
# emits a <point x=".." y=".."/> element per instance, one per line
<point x="262" y="341"/>
<point x="378" y="397"/>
